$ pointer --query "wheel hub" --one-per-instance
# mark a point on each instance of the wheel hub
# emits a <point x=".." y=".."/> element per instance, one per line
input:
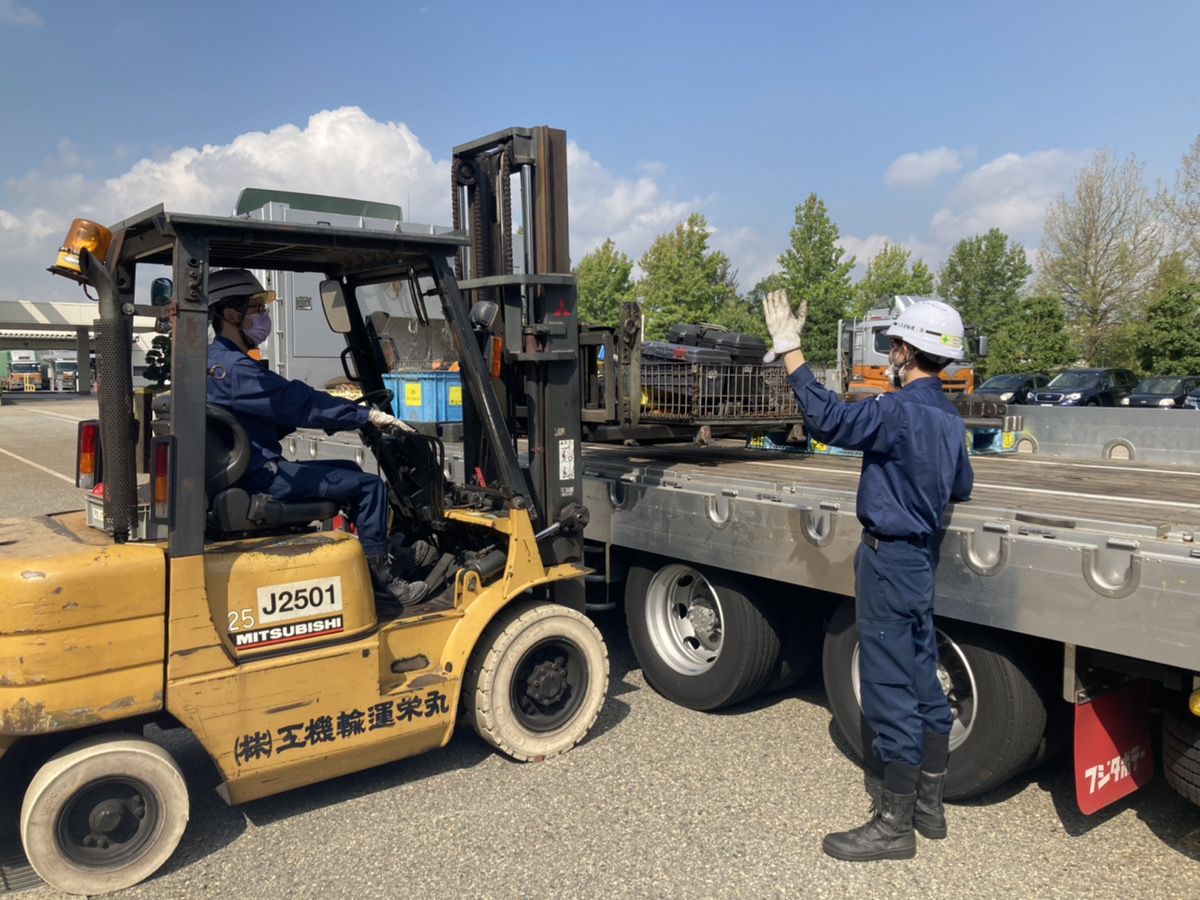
<point x="944" y="679"/>
<point x="547" y="682"/>
<point x="703" y="619"/>
<point x="107" y="821"/>
<point x="106" y="818"/>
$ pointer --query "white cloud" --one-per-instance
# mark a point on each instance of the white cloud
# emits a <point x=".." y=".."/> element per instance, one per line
<point x="344" y="152"/>
<point x="1011" y="192"/>
<point x="13" y="13"/>
<point x="752" y="257"/>
<point x="864" y="249"/>
<point x="341" y="152"/>
<point x="922" y="168"/>
<point x="633" y="212"/>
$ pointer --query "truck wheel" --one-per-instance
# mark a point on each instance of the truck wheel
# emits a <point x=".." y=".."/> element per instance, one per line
<point x="1181" y="749"/>
<point x="103" y="814"/>
<point x="702" y="641"/>
<point x="537" y="680"/>
<point x="800" y="636"/>
<point x="999" y="713"/>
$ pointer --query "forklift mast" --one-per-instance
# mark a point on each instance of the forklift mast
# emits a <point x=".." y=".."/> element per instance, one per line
<point x="523" y="267"/>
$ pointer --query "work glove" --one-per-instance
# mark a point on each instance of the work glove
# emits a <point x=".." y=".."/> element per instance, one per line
<point x="784" y="327"/>
<point x="381" y="419"/>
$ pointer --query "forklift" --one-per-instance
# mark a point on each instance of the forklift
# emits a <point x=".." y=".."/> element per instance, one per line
<point x="176" y="598"/>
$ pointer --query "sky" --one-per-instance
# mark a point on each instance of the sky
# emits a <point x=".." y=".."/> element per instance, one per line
<point x="920" y="123"/>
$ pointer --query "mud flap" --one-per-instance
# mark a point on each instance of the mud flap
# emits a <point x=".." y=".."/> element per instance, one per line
<point x="1112" y="746"/>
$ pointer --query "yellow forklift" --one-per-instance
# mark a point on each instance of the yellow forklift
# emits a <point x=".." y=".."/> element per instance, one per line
<point x="175" y="598"/>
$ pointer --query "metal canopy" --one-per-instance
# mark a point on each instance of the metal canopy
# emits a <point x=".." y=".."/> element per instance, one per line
<point x="150" y="237"/>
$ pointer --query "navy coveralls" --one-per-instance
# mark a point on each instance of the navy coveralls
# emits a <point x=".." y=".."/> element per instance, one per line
<point x="268" y="406"/>
<point x="914" y="462"/>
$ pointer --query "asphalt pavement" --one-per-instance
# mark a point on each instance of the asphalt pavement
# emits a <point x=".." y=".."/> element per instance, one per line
<point x="658" y="802"/>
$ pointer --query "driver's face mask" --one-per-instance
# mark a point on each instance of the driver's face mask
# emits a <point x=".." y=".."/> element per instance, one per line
<point x="257" y="327"/>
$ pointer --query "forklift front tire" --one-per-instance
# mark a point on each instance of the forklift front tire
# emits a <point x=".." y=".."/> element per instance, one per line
<point x="103" y="814"/>
<point x="537" y="680"/>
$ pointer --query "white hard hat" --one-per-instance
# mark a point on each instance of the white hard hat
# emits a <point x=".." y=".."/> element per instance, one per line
<point x="230" y="283"/>
<point x="933" y="327"/>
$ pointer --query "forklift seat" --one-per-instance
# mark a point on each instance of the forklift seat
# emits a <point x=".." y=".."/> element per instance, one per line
<point x="231" y="508"/>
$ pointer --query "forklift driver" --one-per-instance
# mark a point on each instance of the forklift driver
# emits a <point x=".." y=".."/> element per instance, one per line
<point x="269" y="406"/>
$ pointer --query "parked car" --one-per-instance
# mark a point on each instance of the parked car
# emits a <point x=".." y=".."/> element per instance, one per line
<point x="1086" y="387"/>
<point x="1013" y="388"/>
<point x="1162" y="391"/>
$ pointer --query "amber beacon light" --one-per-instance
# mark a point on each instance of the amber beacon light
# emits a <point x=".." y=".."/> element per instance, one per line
<point x="82" y="234"/>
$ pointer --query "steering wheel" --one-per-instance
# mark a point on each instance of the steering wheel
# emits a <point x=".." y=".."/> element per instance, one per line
<point x="379" y="399"/>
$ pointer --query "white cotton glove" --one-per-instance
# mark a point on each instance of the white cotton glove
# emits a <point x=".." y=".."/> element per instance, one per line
<point x="381" y="419"/>
<point x="784" y="327"/>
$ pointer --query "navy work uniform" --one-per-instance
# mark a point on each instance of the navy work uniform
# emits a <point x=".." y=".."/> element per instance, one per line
<point x="904" y="436"/>
<point x="268" y="405"/>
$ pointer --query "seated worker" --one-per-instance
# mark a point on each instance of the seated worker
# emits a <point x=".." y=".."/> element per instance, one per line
<point x="269" y="405"/>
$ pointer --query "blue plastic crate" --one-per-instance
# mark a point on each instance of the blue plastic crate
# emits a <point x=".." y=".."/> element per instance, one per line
<point x="426" y="396"/>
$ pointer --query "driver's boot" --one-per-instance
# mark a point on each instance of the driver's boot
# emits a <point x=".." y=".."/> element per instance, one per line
<point x="396" y="589"/>
<point x="410" y="562"/>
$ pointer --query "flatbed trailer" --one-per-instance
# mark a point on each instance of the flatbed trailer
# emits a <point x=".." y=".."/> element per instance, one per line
<point x="1099" y="539"/>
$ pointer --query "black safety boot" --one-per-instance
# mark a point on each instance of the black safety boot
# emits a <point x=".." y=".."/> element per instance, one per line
<point x="395" y="589"/>
<point x="411" y="562"/>
<point x="889" y="834"/>
<point x="929" y="815"/>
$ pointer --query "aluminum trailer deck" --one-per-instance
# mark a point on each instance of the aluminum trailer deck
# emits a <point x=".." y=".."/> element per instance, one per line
<point x="1075" y="550"/>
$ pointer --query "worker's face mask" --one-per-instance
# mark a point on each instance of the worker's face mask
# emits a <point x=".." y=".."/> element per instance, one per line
<point x="257" y="328"/>
<point x="895" y="369"/>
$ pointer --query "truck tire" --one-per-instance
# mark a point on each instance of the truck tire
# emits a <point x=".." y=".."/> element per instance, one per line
<point x="536" y="681"/>
<point x="800" y="638"/>
<point x="1000" y="714"/>
<point x="1181" y="749"/>
<point x="103" y="814"/>
<point x="702" y="641"/>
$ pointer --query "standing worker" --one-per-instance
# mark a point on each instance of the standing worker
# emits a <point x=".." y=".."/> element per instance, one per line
<point x="268" y="405"/>
<point x="914" y="462"/>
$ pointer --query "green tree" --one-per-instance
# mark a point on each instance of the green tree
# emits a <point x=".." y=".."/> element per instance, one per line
<point x="158" y="360"/>
<point x="982" y="278"/>
<point x="816" y="269"/>
<point x="1170" y="335"/>
<point x="773" y="282"/>
<point x="1034" y="339"/>
<point x="888" y="274"/>
<point x="604" y="284"/>
<point x="1168" y="339"/>
<point x="683" y="281"/>
<point x="1100" y="249"/>
<point x="1181" y="206"/>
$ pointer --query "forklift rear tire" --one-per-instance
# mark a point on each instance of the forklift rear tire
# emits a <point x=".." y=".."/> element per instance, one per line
<point x="103" y="814"/>
<point x="537" y="680"/>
